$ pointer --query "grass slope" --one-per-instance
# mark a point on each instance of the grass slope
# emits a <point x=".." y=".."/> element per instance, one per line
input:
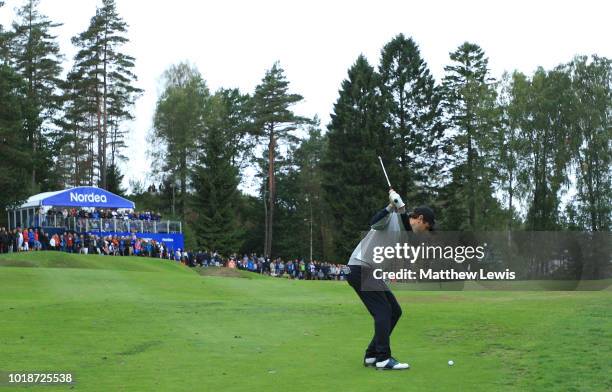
<point x="136" y="324"/>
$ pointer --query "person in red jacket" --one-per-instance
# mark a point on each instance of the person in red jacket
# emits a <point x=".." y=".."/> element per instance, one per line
<point x="26" y="240"/>
<point x="70" y="243"/>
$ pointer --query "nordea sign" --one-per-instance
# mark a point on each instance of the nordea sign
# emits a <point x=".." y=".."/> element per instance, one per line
<point x="87" y="197"/>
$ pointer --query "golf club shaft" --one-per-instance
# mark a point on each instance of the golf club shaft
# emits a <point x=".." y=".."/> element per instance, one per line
<point x="384" y="171"/>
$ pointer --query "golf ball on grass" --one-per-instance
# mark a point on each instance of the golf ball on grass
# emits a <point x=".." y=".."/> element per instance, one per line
<point x="451" y="363"/>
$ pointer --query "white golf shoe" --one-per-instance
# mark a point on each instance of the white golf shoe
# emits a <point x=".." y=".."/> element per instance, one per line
<point x="391" y="364"/>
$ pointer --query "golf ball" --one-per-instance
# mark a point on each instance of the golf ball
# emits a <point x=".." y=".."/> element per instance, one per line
<point x="451" y="363"/>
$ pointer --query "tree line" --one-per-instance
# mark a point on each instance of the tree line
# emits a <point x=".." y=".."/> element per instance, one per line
<point x="526" y="152"/>
<point x="61" y="131"/>
<point x="523" y="152"/>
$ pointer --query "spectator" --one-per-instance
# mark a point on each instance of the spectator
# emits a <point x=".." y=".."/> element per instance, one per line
<point x="29" y="239"/>
<point x="25" y="240"/>
<point x="18" y="239"/>
<point x="86" y="244"/>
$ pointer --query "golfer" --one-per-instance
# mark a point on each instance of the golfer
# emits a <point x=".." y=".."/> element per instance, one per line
<point x="381" y="303"/>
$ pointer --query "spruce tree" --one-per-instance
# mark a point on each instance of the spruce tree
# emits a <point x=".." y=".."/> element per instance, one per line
<point x="114" y="180"/>
<point x="472" y="116"/>
<point x="353" y="183"/>
<point x="413" y="116"/>
<point x="216" y="174"/>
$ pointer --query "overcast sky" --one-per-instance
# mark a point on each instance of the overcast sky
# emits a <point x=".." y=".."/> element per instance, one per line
<point x="233" y="43"/>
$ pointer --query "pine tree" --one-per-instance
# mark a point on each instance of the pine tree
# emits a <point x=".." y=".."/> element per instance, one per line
<point x="300" y="205"/>
<point x="216" y="176"/>
<point x="274" y="122"/>
<point x="76" y="160"/>
<point x="36" y="57"/>
<point x="15" y="156"/>
<point x="308" y="159"/>
<point x="412" y="104"/>
<point x="107" y="73"/>
<point x="472" y="115"/>
<point x="14" y="152"/>
<point x="354" y="186"/>
<point x="114" y="180"/>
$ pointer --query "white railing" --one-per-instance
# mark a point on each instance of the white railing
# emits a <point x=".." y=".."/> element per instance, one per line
<point x="106" y="225"/>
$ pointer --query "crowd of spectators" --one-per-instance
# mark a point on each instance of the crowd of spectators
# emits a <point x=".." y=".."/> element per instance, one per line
<point x="95" y="213"/>
<point x="34" y="239"/>
<point x="29" y="239"/>
<point x="292" y="269"/>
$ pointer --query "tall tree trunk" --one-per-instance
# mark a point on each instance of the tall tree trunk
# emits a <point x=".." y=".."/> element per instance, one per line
<point x="265" y="203"/>
<point x="100" y="139"/>
<point x="471" y="182"/>
<point x="91" y="158"/>
<point x="113" y="145"/>
<point x="31" y="126"/>
<point x="543" y="181"/>
<point x="510" y="196"/>
<point x="271" y="189"/>
<point x="76" y="157"/>
<point x="104" y="115"/>
<point x="183" y="183"/>
<point x="99" y="130"/>
<point x="590" y="188"/>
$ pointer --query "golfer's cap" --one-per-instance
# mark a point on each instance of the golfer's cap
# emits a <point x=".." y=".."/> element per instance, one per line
<point x="428" y="214"/>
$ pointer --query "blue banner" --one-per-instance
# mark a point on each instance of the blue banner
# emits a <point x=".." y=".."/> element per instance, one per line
<point x="172" y="241"/>
<point x="87" y="196"/>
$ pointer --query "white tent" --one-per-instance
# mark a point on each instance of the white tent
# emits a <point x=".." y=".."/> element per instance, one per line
<point x="36" y="200"/>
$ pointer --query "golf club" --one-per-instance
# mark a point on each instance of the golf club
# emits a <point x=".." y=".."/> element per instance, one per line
<point x="384" y="171"/>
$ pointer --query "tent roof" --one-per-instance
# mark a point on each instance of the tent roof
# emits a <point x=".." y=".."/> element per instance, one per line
<point x="83" y="196"/>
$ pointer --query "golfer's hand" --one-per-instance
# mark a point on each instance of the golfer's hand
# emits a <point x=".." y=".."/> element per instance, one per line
<point x="395" y="199"/>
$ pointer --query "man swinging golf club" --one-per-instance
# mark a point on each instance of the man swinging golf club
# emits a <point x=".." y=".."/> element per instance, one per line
<point x="380" y="301"/>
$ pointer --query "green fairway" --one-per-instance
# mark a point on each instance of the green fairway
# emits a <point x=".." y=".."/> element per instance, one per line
<point x="139" y="324"/>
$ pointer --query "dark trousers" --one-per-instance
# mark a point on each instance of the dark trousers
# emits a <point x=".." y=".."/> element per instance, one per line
<point x="383" y="307"/>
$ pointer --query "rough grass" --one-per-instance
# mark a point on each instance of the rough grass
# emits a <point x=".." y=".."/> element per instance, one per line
<point x="138" y="324"/>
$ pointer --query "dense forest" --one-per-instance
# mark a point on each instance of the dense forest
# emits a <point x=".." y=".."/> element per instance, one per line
<point x="522" y="152"/>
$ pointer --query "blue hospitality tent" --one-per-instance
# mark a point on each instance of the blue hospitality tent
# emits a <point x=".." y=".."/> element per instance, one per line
<point x="31" y="214"/>
<point x="82" y="196"/>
